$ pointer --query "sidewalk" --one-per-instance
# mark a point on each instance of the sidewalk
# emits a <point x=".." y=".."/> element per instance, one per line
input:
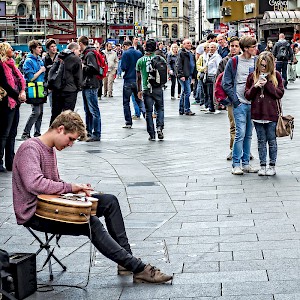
<point x="224" y="237"/>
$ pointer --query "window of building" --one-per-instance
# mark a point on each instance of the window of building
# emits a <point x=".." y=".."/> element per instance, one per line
<point x="175" y="1"/>
<point x="83" y="31"/>
<point x="44" y="11"/>
<point x="166" y="30"/>
<point x="174" y="12"/>
<point x="80" y="12"/>
<point x="165" y="1"/>
<point x="165" y="12"/>
<point x="94" y="12"/>
<point x="64" y="15"/>
<point x="21" y="9"/>
<point x="174" y="31"/>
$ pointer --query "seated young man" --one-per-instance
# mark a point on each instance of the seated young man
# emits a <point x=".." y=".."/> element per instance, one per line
<point x="35" y="172"/>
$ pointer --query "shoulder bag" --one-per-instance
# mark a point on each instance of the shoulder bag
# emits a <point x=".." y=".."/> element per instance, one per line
<point x="285" y="124"/>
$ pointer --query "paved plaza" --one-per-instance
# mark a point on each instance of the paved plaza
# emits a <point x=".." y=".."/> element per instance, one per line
<point x="223" y="237"/>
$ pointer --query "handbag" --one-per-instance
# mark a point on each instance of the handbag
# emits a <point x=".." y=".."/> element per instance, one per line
<point x="285" y="124"/>
<point x="36" y="93"/>
<point x="3" y="93"/>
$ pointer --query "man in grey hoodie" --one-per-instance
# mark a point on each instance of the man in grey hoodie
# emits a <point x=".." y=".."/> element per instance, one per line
<point x="283" y="54"/>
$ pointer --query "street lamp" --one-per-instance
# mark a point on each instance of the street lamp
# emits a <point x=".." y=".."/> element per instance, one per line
<point x="156" y="11"/>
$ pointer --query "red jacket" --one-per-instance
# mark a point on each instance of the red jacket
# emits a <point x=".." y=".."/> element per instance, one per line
<point x="264" y="108"/>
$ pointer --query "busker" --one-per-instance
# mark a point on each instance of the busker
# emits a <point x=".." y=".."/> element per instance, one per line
<point x="35" y="172"/>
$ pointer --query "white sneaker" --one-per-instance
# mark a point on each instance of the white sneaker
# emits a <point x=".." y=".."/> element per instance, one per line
<point x="262" y="171"/>
<point x="217" y="112"/>
<point x="249" y="169"/>
<point x="271" y="171"/>
<point x="237" y="171"/>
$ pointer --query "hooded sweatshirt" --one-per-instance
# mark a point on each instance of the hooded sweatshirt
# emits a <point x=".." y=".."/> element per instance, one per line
<point x="32" y="65"/>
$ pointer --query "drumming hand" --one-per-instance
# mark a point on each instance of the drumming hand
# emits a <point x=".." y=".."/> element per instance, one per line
<point x="77" y="188"/>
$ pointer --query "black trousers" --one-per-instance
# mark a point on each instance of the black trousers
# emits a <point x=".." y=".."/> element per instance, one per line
<point x="112" y="243"/>
<point x="174" y="79"/>
<point x="62" y="101"/>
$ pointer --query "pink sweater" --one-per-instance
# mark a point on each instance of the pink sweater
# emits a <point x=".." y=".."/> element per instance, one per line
<point x="34" y="172"/>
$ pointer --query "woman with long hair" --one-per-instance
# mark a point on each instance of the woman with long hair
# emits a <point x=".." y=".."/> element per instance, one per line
<point x="171" y="60"/>
<point x="270" y="46"/>
<point x="12" y="81"/>
<point x="264" y="89"/>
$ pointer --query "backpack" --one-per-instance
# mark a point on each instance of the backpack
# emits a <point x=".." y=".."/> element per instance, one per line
<point x="282" y="53"/>
<point x="102" y="64"/>
<point x="219" y="94"/>
<point x="157" y="69"/>
<point x="56" y="76"/>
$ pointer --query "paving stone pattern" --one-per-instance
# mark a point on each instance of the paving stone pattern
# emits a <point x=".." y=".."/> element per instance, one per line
<point x="223" y="237"/>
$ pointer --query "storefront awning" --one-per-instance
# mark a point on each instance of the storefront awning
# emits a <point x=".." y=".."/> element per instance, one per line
<point x="279" y="19"/>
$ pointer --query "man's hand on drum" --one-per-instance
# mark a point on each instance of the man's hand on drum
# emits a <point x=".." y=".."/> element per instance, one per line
<point x="82" y="187"/>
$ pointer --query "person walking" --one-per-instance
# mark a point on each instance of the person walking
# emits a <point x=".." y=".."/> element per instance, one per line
<point x="186" y="72"/>
<point x="130" y="58"/>
<point x="13" y="83"/>
<point x="112" y="61"/>
<point x="264" y="88"/>
<point x="171" y="60"/>
<point x="283" y="53"/>
<point x="234" y="83"/>
<point x="34" y="71"/>
<point x="119" y="52"/>
<point x="65" y="97"/>
<point x="90" y="88"/>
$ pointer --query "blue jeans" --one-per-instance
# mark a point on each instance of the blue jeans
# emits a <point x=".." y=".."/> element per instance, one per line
<point x="184" y="102"/>
<point x="139" y="106"/>
<point x="119" y="71"/>
<point x="130" y="88"/>
<point x="92" y="112"/>
<point x="281" y="67"/>
<point x="243" y="135"/>
<point x="200" y="94"/>
<point x="266" y="133"/>
<point x="156" y="98"/>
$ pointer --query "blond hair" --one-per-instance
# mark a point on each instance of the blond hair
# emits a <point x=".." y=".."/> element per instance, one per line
<point x="269" y="58"/>
<point x="172" y="47"/>
<point x="72" y="123"/>
<point x="3" y="50"/>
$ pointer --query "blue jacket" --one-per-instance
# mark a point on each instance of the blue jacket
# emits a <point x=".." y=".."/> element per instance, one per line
<point x="32" y="65"/>
<point x="128" y="63"/>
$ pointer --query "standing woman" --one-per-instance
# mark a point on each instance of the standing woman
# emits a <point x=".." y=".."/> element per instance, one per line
<point x="171" y="60"/>
<point x="12" y="81"/>
<point x="269" y="46"/>
<point x="265" y="88"/>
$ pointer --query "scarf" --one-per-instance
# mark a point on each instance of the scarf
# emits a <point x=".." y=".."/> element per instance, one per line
<point x="14" y="78"/>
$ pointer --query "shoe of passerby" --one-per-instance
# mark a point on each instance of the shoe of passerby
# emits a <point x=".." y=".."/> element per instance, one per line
<point x="2" y="170"/>
<point x="151" y="274"/>
<point x="189" y="113"/>
<point x="249" y="169"/>
<point x="237" y="171"/>
<point x="173" y="98"/>
<point x="37" y="134"/>
<point x="229" y="156"/>
<point x="123" y="271"/>
<point x="128" y="126"/>
<point x="195" y="103"/>
<point x="271" y="171"/>
<point x="209" y="112"/>
<point x="262" y="171"/>
<point x="202" y="107"/>
<point x="181" y="113"/>
<point x="160" y="134"/>
<point x="217" y="112"/>
<point x="105" y="95"/>
<point x="134" y="117"/>
<point x="251" y="156"/>
<point x="153" y="116"/>
<point x="109" y="95"/>
<point x="151" y="138"/>
<point x="179" y="95"/>
<point x="25" y="136"/>
<point x="92" y="139"/>
<point x="99" y="98"/>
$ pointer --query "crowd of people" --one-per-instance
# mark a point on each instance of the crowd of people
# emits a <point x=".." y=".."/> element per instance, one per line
<point x="92" y="69"/>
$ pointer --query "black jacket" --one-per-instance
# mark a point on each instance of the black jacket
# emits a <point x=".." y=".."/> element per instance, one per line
<point x="90" y="69"/>
<point x="183" y="64"/>
<point x="72" y="71"/>
<point x="48" y="62"/>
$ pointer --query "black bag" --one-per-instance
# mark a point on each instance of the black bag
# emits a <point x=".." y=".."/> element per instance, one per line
<point x="282" y="53"/>
<point x="158" y="73"/>
<point x="56" y="76"/>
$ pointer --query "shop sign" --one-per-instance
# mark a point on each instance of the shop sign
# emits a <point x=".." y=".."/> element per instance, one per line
<point x="248" y="8"/>
<point x="269" y="5"/>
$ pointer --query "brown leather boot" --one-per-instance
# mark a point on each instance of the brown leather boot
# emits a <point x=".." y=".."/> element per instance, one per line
<point x="151" y="275"/>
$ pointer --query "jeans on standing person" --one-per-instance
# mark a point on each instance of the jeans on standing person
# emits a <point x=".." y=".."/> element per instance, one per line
<point x="112" y="243"/>
<point x="129" y="88"/>
<point x="200" y="95"/>
<point x="266" y="133"/>
<point x="92" y="112"/>
<point x="174" y="79"/>
<point x="36" y="119"/>
<point x="139" y="107"/>
<point x="155" y="98"/>
<point x="210" y="95"/>
<point x="243" y="135"/>
<point x="281" y="67"/>
<point x="8" y="132"/>
<point x="184" y="102"/>
<point x="119" y="71"/>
